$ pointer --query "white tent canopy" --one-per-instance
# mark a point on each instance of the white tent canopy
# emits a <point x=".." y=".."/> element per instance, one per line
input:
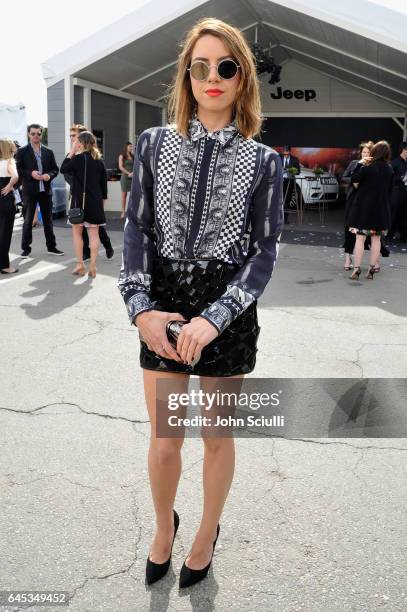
<point x="360" y="43"/>
<point x="13" y="123"/>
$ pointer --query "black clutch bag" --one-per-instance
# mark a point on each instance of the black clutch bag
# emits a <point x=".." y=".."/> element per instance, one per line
<point x="77" y="214"/>
<point x="173" y="329"/>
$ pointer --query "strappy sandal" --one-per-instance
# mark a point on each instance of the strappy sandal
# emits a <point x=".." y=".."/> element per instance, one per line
<point x="79" y="270"/>
<point x="370" y="273"/>
<point x="347" y="268"/>
<point x="92" y="271"/>
<point x="355" y="274"/>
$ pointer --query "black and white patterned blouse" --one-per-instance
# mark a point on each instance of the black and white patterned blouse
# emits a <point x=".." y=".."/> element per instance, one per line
<point x="211" y="195"/>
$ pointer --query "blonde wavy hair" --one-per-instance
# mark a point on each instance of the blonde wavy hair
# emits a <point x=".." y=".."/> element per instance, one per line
<point x="247" y="107"/>
<point x="88" y="140"/>
<point x="7" y="148"/>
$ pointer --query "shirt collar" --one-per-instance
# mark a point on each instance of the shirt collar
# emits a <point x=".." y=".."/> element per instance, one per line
<point x="197" y="131"/>
<point x="34" y="149"/>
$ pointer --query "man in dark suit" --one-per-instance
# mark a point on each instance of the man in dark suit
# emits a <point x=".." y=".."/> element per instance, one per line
<point x="288" y="161"/>
<point x="36" y="167"/>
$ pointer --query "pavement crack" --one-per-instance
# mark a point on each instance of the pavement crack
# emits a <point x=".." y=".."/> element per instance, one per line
<point x="80" y="484"/>
<point x="12" y="483"/>
<point x="191" y="465"/>
<point x="143" y="433"/>
<point x="113" y="417"/>
<point x="126" y="570"/>
<point x="273" y="454"/>
<point x="367" y="447"/>
<point x="102" y="325"/>
<point x="356" y="361"/>
<point x="359" y="460"/>
<point x="35" y="412"/>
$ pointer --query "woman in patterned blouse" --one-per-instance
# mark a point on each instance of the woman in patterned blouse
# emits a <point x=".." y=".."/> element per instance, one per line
<point x="201" y="239"/>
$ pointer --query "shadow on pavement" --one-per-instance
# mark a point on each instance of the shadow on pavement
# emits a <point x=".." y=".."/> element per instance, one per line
<point x="311" y="276"/>
<point x="59" y="290"/>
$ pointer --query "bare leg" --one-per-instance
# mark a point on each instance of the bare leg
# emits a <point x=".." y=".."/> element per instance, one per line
<point x="164" y="463"/>
<point x="78" y="248"/>
<point x="218" y="470"/>
<point x="94" y="249"/>
<point x="124" y="198"/>
<point x="375" y="251"/>
<point x="359" y="249"/>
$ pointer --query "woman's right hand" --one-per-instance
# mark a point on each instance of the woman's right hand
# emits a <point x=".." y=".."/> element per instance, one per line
<point x="74" y="148"/>
<point x="6" y="190"/>
<point x="152" y="325"/>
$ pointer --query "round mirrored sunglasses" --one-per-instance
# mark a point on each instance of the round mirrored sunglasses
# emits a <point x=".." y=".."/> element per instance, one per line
<point x="226" y="69"/>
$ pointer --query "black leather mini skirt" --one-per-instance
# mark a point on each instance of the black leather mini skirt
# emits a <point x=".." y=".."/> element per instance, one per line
<point x="188" y="286"/>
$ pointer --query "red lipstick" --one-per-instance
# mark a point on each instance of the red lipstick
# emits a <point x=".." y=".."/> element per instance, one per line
<point x="214" y="92"/>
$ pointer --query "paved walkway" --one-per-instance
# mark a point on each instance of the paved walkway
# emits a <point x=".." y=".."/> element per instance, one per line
<point x="310" y="524"/>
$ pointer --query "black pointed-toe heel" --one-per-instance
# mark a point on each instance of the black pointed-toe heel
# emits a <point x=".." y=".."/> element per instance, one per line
<point x="155" y="571"/>
<point x="189" y="576"/>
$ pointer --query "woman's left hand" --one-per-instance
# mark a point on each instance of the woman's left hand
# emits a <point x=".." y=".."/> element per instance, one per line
<point x="194" y="336"/>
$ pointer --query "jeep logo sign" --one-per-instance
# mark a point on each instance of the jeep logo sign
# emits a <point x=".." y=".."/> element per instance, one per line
<point x="298" y="94"/>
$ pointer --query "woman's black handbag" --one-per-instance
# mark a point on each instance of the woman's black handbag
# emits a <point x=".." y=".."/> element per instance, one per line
<point x="76" y="215"/>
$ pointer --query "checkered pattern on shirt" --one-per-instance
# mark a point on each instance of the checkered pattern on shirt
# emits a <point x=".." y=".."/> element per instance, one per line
<point x="242" y="181"/>
<point x="166" y="167"/>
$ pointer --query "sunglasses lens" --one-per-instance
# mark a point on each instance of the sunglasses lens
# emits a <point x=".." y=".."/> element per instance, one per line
<point x="227" y="69"/>
<point x="199" y="71"/>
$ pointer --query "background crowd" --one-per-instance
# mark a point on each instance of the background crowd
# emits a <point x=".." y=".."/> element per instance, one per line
<point x="376" y="204"/>
<point x="376" y="199"/>
<point x="26" y="174"/>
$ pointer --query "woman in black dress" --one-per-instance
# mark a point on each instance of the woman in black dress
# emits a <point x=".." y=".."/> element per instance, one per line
<point x="200" y="243"/>
<point x="87" y="167"/>
<point x="350" y="239"/>
<point x="370" y="211"/>
<point x="8" y="179"/>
